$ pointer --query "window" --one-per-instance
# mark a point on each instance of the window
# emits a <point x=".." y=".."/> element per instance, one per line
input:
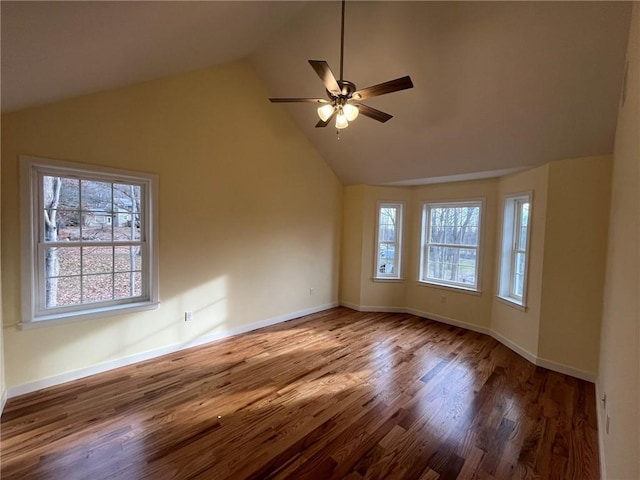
<point x="89" y="238"/>
<point x="388" y="241"/>
<point x="515" y="247"/>
<point x="450" y="244"/>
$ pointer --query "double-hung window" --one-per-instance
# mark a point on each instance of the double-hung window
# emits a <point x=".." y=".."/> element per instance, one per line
<point x="89" y="240"/>
<point x="450" y="247"/>
<point x="389" y="240"/>
<point x="515" y="248"/>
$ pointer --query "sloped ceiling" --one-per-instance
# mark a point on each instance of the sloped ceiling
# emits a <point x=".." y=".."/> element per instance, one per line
<point x="499" y="86"/>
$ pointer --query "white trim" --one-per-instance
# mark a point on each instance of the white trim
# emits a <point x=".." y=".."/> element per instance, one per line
<point x="601" y="418"/>
<point x="509" y="232"/>
<point x="139" y="357"/>
<point x="3" y="401"/>
<point x="425" y="226"/>
<point x="512" y="303"/>
<point x="33" y="311"/>
<point x="567" y="370"/>
<point x="443" y="286"/>
<point x="510" y="344"/>
<point x="449" y="321"/>
<point x="380" y="309"/>
<point x="399" y="205"/>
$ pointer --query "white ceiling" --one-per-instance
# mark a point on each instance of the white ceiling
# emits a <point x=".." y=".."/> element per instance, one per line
<point x="499" y="86"/>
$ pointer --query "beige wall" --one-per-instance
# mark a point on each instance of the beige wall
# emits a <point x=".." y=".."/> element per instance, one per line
<point x="463" y="307"/>
<point x="351" y="251"/>
<point x="3" y="388"/>
<point x="560" y="327"/>
<point x="522" y="326"/>
<point x="250" y="214"/>
<point x="383" y="294"/>
<point x="619" y="374"/>
<point x="574" y="261"/>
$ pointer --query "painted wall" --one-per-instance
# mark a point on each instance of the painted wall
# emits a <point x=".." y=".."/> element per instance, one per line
<point x="351" y="251"/>
<point x="384" y="294"/>
<point x="619" y="373"/>
<point x="522" y="326"/>
<point x="574" y="261"/>
<point x="3" y="388"/>
<point x="465" y="308"/>
<point x="250" y="214"/>
<point x="560" y="327"/>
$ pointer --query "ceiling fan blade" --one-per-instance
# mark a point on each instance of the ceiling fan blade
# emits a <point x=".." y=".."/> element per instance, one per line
<point x="288" y="100"/>
<point x="326" y="75"/>
<point x="323" y="123"/>
<point x="373" y="113"/>
<point x="383" y="88"/>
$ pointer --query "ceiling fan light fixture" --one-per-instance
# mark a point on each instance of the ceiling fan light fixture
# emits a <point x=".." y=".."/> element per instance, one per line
<point x="325" y="112"/>
<point x="351" y="112"/>
<point x="341" y="120"/>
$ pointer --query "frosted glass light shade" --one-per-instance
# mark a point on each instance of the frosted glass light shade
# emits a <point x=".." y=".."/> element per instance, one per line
<point x="351" y="112"/>
<point x="325" y="112"/>
<point x="341" y="120"/>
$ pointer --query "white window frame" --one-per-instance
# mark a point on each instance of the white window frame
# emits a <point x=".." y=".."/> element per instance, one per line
<point x="32" y="169"/>
<point x="424" y="245"/>
<point x="511" y="229"/>
<point x="399" y="206"/>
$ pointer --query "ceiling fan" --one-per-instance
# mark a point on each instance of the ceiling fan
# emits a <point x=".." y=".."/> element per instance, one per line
<point x="343" y="98"/>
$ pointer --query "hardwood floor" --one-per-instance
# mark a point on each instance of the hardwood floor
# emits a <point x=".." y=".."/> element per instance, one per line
<point x="335" y="395"/>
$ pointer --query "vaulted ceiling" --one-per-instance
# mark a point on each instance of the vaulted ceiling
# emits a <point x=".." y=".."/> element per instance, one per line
<point x="499" y="86"/>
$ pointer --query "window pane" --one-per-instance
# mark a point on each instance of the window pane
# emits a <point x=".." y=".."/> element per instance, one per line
<point x="62" y="292"/>
<point x="387" y="231"/>
<point x="96" y="196"/>
<point x="122" y="286"/>
<point x="68" y="225"/>
<point x="386" y="259"/>
<point x="96" y="288"/>
<point x="522" y="238"/>
<point x="96" y="227"/>
<point x="386" y="267"/>
<point x="68" y="260"/>
<point x="97" y="260"/>
<point x="454" y="225"/>
<point x="452" y="264"/>
<point x="524" y="214"/>
<point x="137" y="284"/>
<point x="518" y="286"/>
<point x="467" y="266"/>
<point x="520" y="261"/>
<point x="128" y="259"/>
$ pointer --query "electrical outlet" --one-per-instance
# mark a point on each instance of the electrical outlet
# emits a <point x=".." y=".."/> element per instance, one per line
<point x="188" y="316"/>
<point x="311" y="291"/>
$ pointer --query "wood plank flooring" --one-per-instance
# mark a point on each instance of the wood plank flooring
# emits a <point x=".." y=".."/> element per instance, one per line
<point x="335" y="395"/>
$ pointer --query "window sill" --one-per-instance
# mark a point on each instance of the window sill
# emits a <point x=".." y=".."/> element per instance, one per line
<point x="451" y="288"/>
<point x="512" y="303"/>
<point x="73" y="317"/>
<point x="387" y="280"/>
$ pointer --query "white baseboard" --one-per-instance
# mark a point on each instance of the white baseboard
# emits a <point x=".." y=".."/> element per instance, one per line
<point x="541" y="362"/>
<point x="381" y="309"/>
<point x="567" y="370"/>
<point x="139" y="357"/>
<point x="449" y="321"/>
<point x="523" y="352"/>
<point x="601" y="431"/>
